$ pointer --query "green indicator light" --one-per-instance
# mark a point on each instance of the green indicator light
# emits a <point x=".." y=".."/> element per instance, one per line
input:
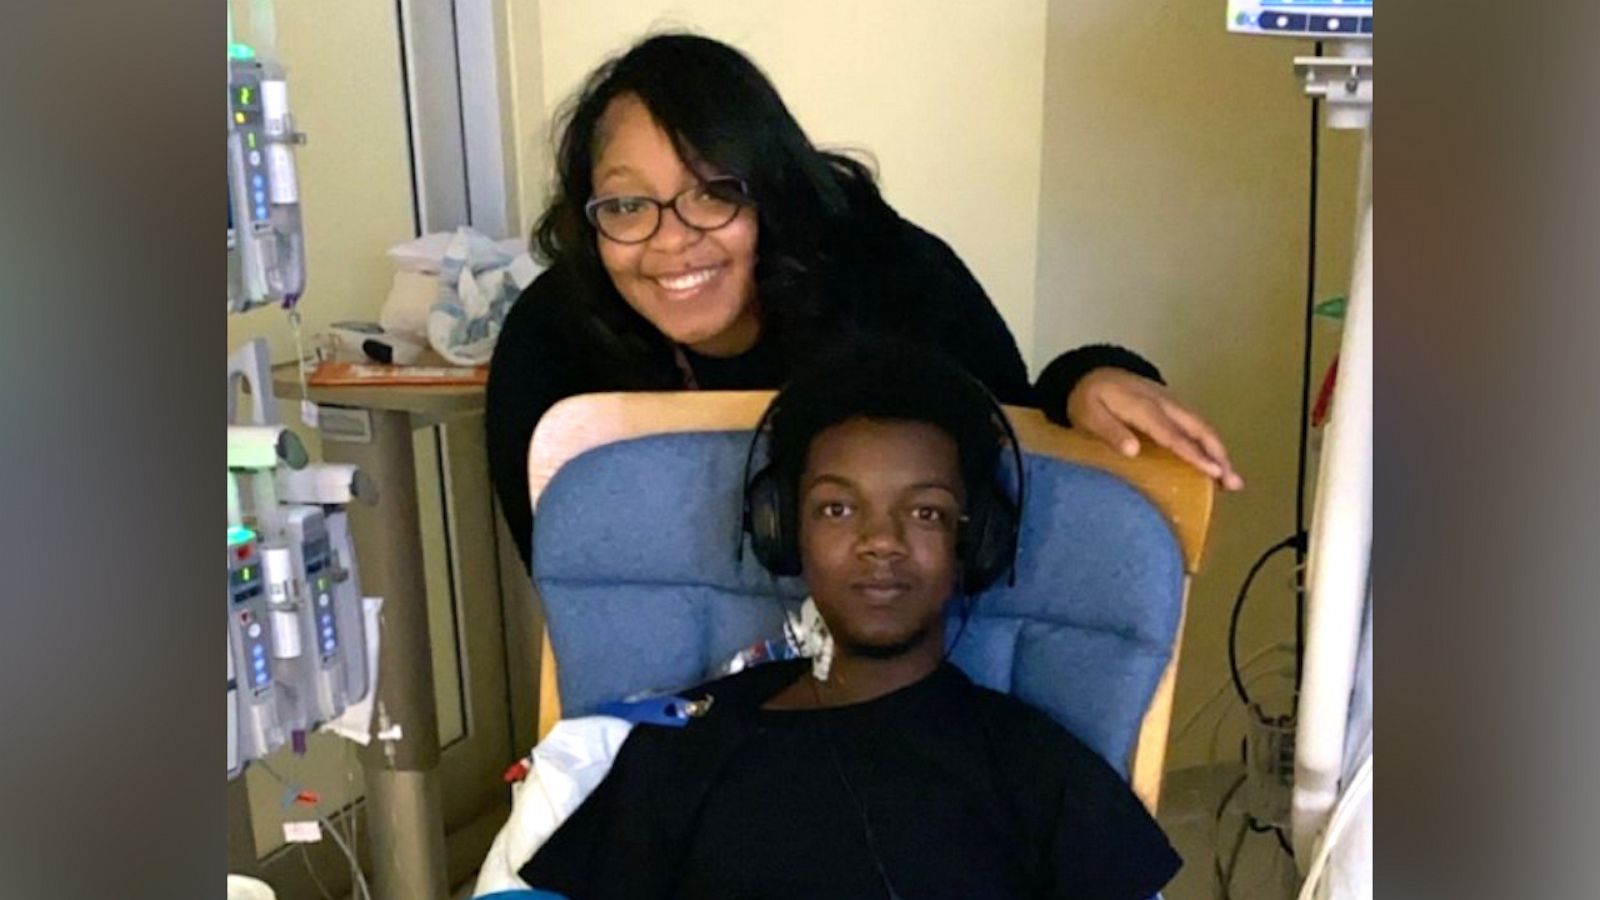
<point x="240" y="535"/>
<point x="241" y="51"/>
<point x="250" y="139"/>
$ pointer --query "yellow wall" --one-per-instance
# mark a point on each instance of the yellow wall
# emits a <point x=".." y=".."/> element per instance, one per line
<point x="1173" y="220"/>
<point x="527" y="119"/>
<point x="947" y="96"/>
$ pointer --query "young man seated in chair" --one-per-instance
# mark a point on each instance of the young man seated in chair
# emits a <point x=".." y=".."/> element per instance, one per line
<point x="879" y="770"/>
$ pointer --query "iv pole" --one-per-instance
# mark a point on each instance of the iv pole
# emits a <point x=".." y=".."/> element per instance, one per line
<point x="1337" y="574"/>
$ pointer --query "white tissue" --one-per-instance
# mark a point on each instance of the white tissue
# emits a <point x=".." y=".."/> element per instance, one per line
<point x="425" y="255"/>
<point x="479" y="279"/>
<point x="411" y="298"/>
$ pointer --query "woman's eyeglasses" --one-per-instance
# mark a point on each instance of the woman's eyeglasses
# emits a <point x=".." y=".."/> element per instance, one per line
<point x="707" y="206"/>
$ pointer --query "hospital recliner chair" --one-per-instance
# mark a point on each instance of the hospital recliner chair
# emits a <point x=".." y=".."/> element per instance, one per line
<point x="637" y="512"/>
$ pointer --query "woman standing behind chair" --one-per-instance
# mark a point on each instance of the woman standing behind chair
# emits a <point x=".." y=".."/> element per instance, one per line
<point x="698" y="240"/>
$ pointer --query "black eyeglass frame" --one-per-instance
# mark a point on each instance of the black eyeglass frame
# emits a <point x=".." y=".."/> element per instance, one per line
<point x="590" y="209"/>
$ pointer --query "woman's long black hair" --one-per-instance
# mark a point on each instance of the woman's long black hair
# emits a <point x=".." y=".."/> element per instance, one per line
<point x="813" y="206"/>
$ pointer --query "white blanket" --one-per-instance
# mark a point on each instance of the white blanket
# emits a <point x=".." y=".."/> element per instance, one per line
<point x="577" y="753"/>
<point x="565" y="768"/>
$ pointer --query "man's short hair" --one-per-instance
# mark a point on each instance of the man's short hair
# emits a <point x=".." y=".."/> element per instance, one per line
<point x="886" y="379"/>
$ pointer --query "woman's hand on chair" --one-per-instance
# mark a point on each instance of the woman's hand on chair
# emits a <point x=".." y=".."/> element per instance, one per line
<point x="1117" y="406"/>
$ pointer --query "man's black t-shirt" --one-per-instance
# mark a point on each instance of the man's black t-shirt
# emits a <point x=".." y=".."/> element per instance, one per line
<point x="941" y="789"/>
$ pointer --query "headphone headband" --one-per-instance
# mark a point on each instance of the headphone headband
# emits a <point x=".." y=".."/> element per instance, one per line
<point x="744" y="481"/>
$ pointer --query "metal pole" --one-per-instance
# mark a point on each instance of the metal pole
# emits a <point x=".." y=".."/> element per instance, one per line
<point x="404" y="808"/>
<point x="1341" y="550"/>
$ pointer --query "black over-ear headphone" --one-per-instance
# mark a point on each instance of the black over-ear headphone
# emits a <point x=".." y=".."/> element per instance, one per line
<point x="986" y="543"/>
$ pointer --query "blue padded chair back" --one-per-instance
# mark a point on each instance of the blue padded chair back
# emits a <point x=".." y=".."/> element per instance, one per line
<point x="635" y="559"/>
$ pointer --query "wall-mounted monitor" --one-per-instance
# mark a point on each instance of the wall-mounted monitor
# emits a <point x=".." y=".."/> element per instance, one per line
<point x="1320" y="19"/>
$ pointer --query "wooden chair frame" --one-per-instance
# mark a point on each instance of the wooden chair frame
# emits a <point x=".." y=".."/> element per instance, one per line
<point x="1183" y="495"/>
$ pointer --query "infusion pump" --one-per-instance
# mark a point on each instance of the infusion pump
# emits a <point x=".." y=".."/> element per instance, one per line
<point x="266" y="242"/>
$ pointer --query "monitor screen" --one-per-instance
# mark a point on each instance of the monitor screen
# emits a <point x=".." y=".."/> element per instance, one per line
<point x="1321" y="19"/>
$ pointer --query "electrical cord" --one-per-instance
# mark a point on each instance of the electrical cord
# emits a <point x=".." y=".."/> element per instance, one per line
<point x="1222" y="721"/>
<point x="351" y="819"/>
<point x="1224" y="875"/>
<point x="1260" y="827"/>
<point x="305" y="860"/>
<point x="1296" y="541"/>
<point x="1223" y="688"/>
<point x="856" y="802"/>
<point x="855" y="799"/>
<point x="316" y="880"/>
<point x="1304" y="430"/>
<point x="1283" y="841"/>
<point x="364" y="891"/>
<point x="1250" y="825"/>
<point x="1233" y="860"/>
<point x="833" y="749"/>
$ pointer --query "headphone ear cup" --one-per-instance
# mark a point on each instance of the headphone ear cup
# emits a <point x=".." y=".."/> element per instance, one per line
<point x="769" y="520"/>
<point x="988" y="542"/>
